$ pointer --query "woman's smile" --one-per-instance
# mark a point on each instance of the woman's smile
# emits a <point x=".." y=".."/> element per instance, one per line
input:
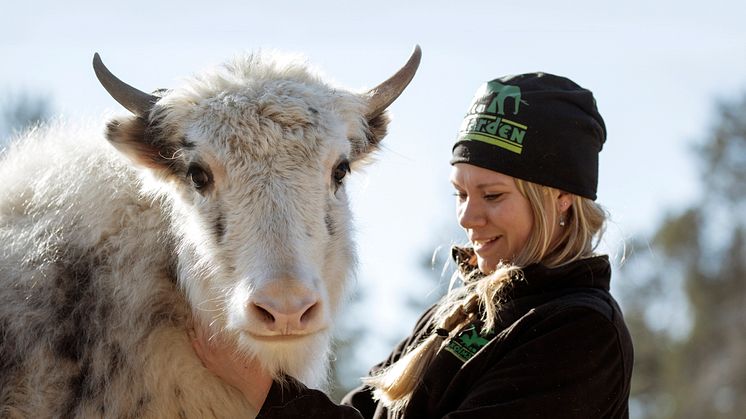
<point x="485" y="245"/>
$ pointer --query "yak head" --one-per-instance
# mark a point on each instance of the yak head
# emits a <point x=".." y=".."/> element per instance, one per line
<point x="252" y="159"/>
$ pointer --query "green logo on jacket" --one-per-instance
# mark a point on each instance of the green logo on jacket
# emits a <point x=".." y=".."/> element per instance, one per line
<point x="468" y="342"/>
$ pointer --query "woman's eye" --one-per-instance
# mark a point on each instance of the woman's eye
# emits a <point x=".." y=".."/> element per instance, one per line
<point x="492" y="197"/>
<point x="199" y="177"/>
<point x="340" y="172"/>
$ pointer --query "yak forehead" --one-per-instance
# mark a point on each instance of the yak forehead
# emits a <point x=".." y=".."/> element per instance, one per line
<point x="264" y="103"/>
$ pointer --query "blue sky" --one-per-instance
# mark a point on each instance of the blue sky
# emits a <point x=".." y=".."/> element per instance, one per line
<point x="655" y="67"/>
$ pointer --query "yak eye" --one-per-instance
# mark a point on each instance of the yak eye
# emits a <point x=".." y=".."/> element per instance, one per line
<point x="199" y="177"/>
<point x="342" y="169"/>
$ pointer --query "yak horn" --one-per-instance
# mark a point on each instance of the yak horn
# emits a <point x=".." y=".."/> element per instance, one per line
<point x="386" y="93"/>
<point x="136" y="101"/>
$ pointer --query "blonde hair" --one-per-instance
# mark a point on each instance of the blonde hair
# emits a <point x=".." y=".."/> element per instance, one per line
<point x="480" y="296"/>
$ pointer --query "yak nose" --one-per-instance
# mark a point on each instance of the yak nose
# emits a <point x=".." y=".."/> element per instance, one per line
<point x="285" y="307"/>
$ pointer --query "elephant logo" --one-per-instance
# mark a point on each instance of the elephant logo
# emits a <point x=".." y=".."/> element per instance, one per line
<point x="468" y="342"/>
<point x="473" y="340"/>
<point x="492" y="97"/>
<point x="487" y="121"/>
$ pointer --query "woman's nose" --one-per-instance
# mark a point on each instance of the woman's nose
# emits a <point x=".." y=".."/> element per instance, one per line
<point x="470" y="214"/>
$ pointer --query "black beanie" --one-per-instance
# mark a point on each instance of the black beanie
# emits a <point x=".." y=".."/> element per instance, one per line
<point x="537" y="127"/>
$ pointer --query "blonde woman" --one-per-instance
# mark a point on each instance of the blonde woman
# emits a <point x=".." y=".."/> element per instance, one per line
<point x="533" y="331"/>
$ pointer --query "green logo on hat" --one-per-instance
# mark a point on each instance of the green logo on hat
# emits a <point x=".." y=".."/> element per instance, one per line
<point x="491" y="97"/>
<point x="485" y="121"/>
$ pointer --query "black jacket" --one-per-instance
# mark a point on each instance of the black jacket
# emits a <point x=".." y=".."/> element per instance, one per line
<point x="561" y="350"/>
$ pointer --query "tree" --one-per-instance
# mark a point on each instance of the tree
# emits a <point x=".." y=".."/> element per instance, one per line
<point x="699" y="254"/>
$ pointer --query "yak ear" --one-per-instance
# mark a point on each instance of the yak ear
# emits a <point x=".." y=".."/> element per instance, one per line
<point x="146" y="145"/>
<point x="377" y="129"/>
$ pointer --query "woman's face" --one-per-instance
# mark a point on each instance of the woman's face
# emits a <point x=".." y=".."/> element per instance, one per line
<point x="494" y="214"/>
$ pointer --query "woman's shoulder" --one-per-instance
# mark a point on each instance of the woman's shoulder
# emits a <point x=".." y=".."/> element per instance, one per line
<point x="585" y="318"/>
<point x="579" y="305"/>
<point x="583" y="299"/>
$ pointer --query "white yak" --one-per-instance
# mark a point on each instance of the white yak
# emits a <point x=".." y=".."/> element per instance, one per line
<point x="222" y="201"/>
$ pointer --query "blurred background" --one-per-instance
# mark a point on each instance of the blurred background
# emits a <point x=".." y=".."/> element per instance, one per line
<point x="669" y="78"/>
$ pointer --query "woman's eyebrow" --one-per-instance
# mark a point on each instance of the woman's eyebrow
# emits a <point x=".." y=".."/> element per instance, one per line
<point x="481" y="185"/>
<point x="490" y="184"/>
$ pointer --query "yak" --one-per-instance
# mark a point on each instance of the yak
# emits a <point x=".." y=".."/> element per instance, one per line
<point x="220" y="202"/>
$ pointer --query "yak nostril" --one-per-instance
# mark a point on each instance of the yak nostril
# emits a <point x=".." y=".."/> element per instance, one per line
<point x="263" y="313"/>
<point x="309" y="313"/>
<point x="274" y="318"/>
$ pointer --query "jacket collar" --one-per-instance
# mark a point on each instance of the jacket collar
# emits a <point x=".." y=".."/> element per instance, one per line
<point x="594" y="272"/>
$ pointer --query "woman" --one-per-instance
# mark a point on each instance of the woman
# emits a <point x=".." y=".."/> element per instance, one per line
<point x="533" y="331"/>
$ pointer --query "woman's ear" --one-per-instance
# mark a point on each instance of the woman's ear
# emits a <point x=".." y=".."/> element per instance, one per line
<point x="563" y="202"/>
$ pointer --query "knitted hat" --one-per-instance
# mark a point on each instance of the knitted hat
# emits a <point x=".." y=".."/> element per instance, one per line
<point x="537" y="127"/>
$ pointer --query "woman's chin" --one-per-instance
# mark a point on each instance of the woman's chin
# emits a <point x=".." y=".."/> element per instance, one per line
<point x="489" y="264"/>
<point x="486" y="266"/>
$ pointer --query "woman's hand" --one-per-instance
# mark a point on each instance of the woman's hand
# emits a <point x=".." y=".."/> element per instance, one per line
<point x="245" y="374"/>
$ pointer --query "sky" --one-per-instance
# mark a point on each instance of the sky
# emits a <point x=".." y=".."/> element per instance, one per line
<point x="656" y="68"/>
